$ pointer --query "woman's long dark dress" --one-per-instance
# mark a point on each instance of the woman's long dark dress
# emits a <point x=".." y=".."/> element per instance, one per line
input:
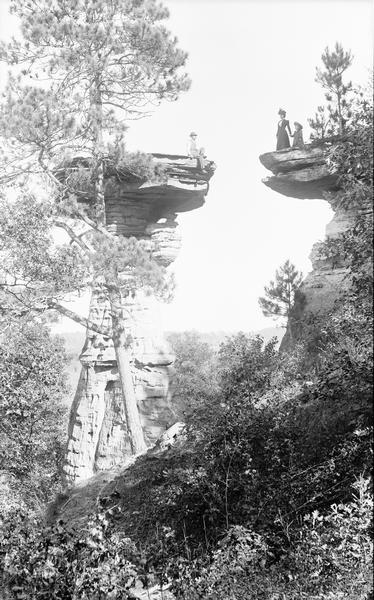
<point x="283" y="141"/>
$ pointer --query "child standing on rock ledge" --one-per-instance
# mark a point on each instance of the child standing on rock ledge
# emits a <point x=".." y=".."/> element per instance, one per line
<point x="298" y="141"/>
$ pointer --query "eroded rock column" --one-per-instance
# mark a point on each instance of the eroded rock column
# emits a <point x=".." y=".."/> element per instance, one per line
<point x="98" y="439"/>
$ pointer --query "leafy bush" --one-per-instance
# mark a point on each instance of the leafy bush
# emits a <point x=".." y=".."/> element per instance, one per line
<point x="330" y="558"/>
<point x="32" y="411"/>
<point x="140" y="165"/>
<point x="57" y="563"/>
<point x="195" y="378"/>
<point x="119" y="165"/>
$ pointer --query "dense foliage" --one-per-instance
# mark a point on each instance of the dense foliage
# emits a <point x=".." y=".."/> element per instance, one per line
<point x="32" y="409"/>
<point x="257" y="504"/>
<point x="195" y="378"/>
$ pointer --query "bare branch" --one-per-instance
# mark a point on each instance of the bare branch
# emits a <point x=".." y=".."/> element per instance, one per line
<point x="73" y="236"/>
<point x="85" y="322"/>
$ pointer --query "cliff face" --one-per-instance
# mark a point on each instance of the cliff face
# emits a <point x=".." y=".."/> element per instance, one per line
<point x="98" y="438"/>
<point x="304" y="174"/>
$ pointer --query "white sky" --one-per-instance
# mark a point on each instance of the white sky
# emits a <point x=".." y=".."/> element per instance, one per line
<point x="246" y="59"/>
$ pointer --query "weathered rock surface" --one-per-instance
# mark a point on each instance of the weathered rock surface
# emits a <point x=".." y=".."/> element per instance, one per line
<point x="98" y="438"/>
<point x="299" y="173"/>
<point x="171" y="435"/>
<point x="304" y="174"/>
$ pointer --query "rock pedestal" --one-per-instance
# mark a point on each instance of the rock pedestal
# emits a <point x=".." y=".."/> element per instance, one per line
<point x="98" y="438"/>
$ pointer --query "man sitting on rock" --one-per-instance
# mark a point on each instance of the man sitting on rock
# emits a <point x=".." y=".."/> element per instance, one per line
<point x="194" y="152"/>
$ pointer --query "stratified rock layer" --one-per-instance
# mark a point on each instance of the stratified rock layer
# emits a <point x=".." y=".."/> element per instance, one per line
<point x="98" y="437"/>
<point x="299" y="173"/>
<point x="304" y="174"/>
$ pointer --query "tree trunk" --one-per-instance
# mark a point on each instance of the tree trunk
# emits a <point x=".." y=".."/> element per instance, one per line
<point x="290" y="331"/>
<point x="133" y="422"/>
<point x="134" y="425"/>
<point x="99" y="192"/>
<point x="289" y="311"/>
<point x="341" y="125"/>
<point x="98" y="154"/>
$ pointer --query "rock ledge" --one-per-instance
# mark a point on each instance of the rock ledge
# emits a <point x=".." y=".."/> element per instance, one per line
<point x="299" y="173"/>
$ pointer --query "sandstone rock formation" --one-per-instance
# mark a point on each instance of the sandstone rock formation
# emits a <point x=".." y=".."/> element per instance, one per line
<point x="98" y="438"/>
<point x="304" y="174"/>
<point x="299" y="173"/>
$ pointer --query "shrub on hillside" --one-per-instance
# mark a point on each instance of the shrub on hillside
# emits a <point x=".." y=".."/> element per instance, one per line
<point x="330" y="559"/>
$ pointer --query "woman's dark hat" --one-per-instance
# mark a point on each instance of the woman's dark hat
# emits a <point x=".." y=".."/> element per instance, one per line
<point x="281" y="111"/>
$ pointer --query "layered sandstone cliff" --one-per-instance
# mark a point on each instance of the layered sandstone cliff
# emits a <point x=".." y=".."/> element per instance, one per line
<point x="98" y="438"/>
<point x="305" y="174"/>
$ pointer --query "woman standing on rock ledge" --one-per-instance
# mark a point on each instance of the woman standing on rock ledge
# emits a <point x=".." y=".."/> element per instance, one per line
<point x="283" y="141"/>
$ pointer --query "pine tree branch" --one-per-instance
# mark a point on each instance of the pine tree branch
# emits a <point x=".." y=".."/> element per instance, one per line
<point x="93" y="225"/>
<point x="73" y="236"/>
<point x="85" y="322"/>
<point x="77" y="213"/>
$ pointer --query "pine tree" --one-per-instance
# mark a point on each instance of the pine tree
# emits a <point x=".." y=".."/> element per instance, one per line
<point x="335" y="63"/>
<point x="279" y="298"/>
<point x="92" y="64"/>
<point x="320" y="124"/>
